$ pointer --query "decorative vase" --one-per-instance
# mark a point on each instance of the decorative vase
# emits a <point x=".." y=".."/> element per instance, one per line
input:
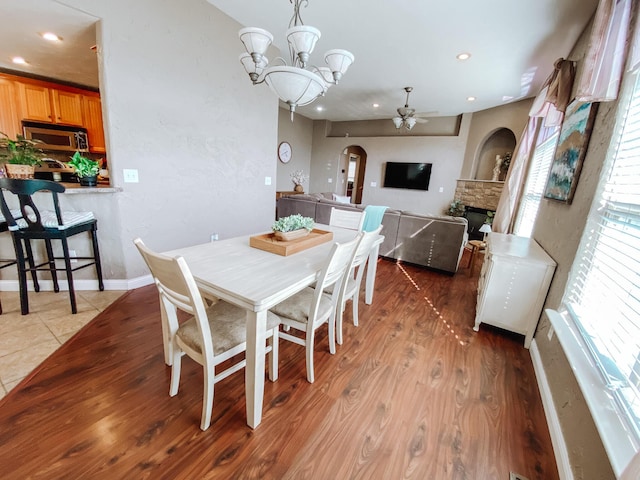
<point x="294" y="234"/>
<point x="298" y="188"/>
<point x="91" y="181"/>
<point x="19" y="171"/>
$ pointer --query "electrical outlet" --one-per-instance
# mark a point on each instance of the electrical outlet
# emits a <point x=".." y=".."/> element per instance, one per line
<point x="267" y="180"/>
<point x="441" y="189"/>
<point x="214" y="237"/>
<point x="72" y="255"/>
<point x="516" y="476"/>
<point x="130" y="175"/>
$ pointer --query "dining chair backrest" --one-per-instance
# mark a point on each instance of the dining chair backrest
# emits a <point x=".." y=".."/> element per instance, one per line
<point x="346" y="219"/>
<point x="364" y="247"/>
<point x="178" y="290"/>
<point x="332" y="273"/>
<point x="30" y="215"/>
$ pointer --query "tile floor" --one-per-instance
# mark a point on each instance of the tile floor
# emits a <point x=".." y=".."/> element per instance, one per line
<point x="26" y="340"/>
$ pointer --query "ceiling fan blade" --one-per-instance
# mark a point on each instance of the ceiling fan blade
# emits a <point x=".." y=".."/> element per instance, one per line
<point x="432" y="113"/>
<point x="421" y="120"/>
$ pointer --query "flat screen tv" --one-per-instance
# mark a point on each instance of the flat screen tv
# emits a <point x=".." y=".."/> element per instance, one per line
<point x="415" y="176"/>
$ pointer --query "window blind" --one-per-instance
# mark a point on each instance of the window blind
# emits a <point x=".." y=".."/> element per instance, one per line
<point x="603" y="294"/>
<point x="534" y="186"/>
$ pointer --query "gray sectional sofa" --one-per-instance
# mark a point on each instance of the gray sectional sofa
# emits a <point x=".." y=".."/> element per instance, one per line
<point x="433" y="241"/>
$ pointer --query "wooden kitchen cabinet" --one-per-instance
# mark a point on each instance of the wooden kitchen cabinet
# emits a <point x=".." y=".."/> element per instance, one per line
<point x="67" y="107"/>
<point x="513" y="284"/>
<point x="92" y="121"/>
<point x="43" y="104"/>
<point x="9" y="120"/>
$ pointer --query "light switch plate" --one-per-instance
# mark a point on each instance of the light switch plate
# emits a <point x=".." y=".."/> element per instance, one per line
<point x="267" y="180"/>
<point x="130" y="175"/>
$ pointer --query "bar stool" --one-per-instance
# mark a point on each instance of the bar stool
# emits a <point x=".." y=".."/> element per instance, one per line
<point x="5" y="262"/>
<point x="35" y="224"/>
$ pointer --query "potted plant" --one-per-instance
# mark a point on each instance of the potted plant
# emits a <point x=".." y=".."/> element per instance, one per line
<point x="456" y="209"/>
<point x="86" y="169"/>
<point x="292" y="227"/>
<point x="298" y="178"/>
<point x="20" y="156"/>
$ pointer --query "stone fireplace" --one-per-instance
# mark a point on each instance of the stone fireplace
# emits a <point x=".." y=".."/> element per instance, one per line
<point x="482" y="194"/>
<point x="478" y="197"/>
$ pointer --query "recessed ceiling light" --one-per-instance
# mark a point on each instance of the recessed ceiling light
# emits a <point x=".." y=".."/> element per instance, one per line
<point x="19" y="60"/>
<point x="319" y="108"/>
<point x="52" y="37"/>
<point x="376" y="105"/>
<point x="471" y="99"/>
<point x="463" y="56"/>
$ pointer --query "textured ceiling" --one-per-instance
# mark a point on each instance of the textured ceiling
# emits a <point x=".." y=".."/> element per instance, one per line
<point x="398" y="43"/>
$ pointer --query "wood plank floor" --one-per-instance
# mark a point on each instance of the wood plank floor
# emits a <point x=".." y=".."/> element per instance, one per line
<point x="413" y="393"/>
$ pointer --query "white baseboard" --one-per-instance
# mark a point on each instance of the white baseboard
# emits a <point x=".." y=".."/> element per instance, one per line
<point x="557" y="438"/>
<point x="112" y="284"/>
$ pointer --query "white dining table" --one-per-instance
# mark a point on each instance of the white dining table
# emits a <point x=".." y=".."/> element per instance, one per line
<point x="257" y="280"/>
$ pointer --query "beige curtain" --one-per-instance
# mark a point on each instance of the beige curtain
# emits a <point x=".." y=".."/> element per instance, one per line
<point x="512" y="188"/>
<point x="634" y="56"/>
<point x="603" y="63"/>
<point x="550" y="105"/>
<point x="555" y="95"/>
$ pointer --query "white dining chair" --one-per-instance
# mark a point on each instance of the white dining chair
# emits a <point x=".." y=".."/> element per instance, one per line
<point x="346" y="219"/>
<point x="211" y="335"/>
<point x="350" y="288"/>
<point x="310" y="308"/>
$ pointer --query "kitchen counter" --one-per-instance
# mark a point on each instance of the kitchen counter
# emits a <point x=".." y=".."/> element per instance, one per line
<point x="77" y="189"/>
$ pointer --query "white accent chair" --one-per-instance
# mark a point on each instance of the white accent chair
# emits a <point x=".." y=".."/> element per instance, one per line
<point x="310" y="308"/>
<point x="211" y="336"/>
<point x="350" y="288"/>
<point x="347" y="219"/>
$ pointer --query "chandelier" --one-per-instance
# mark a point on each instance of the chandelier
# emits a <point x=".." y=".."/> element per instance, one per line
<point x="406" y="116"/>
<point x="299" y="83"/>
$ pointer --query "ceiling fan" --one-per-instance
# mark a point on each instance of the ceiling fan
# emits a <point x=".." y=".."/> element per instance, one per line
<point x="407" y="116"/>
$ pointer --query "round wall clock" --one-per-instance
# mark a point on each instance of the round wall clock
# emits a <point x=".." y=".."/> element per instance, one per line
<point x="284" y="152"/>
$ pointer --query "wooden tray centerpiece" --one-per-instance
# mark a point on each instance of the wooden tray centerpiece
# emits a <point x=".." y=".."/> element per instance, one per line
<point x="290" y="235"/>
<point x="270" y="243"/>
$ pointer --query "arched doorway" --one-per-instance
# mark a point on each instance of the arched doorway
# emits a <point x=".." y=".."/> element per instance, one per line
<point x="499" y="142"/>
<point x="354" y="164"/>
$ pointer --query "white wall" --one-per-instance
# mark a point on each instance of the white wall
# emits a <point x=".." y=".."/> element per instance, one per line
<point x="180" y="109"/>
<point x="299" y="134"/>
<point x="446" y="153"/>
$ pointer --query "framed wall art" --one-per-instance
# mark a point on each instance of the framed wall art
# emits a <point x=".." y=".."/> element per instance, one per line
<point x="570" y="151"/>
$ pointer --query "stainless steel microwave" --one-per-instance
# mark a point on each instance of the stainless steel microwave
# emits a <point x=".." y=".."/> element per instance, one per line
<point x="54" y="137"/>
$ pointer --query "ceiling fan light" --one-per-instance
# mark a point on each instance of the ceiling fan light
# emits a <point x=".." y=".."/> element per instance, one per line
<point x="410" y="122"/>
<point x="397" y="121"/>
<point x="256" y="40"/>
<point x="294" y="86"/>
<point x="303" y="40"/>
<point x="339" y="61"/>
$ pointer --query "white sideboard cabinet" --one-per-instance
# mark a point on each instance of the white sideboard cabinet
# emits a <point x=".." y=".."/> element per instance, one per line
<point x="513" y="284"/>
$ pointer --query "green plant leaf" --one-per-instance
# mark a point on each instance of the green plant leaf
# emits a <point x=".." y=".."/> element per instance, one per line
<point x="293" y="222"/>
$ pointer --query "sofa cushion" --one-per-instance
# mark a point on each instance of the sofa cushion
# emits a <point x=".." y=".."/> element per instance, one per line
<point x="342" y="199"/>
<point x="430" y="241"/>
